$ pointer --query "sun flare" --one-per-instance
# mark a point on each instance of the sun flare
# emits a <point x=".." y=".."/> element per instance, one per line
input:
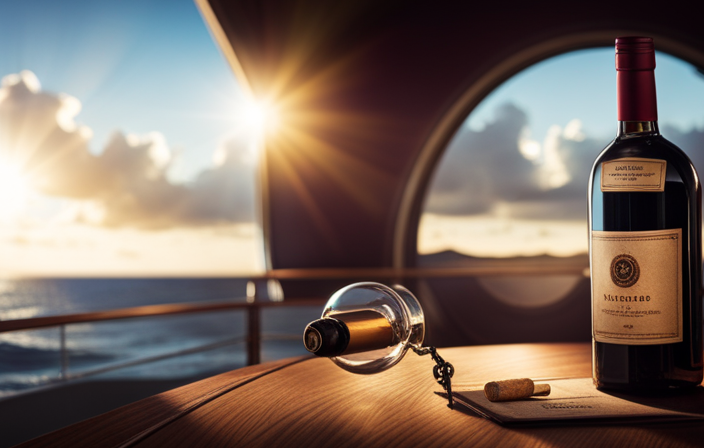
<point x="259" y="117"/>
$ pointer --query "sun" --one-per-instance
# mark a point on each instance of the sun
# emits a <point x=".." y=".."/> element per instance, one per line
<point x="14" y="191"/>
<point x="258" y="117"/>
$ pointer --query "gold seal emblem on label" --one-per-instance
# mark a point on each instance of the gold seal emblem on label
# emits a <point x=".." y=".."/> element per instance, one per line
<point x="625" y="271"/>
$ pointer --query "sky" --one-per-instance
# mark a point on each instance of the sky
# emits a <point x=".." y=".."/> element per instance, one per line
<point x="513" y="181"/>
<point x="582" y="84"/>
<point x="136" y="66"/>
<point x="124" y="150"/>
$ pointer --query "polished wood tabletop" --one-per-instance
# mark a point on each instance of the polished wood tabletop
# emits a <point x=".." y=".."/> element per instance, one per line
<point x="310" y="401"/>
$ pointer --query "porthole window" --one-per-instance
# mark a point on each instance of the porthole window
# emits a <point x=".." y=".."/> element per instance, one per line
<point x="511" y="186"/>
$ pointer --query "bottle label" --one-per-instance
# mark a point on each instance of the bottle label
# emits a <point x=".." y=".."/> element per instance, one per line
<point x="637" y="287"/>
<point x="633" y="174"/>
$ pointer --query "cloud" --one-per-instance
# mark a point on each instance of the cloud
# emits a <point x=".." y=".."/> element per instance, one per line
<point x="481" y="167"/>
<point x="690" y="142"/>
<point x="501" y="171"/>
<point x="127" y="183"/>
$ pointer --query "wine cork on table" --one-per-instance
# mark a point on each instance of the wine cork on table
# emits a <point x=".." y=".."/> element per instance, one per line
<point x="514" y="389"/>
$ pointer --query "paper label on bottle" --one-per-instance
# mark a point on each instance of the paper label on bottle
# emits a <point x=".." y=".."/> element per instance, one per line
<point x="633" y="174"/>
<point x="637" y="287"/>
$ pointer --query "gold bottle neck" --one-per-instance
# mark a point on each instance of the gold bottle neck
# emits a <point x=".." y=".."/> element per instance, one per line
<point x="630" y="129"/>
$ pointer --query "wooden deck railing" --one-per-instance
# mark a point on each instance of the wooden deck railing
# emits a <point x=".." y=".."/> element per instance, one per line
<point x="255" y="301"/>
<point x="253" y="330"/>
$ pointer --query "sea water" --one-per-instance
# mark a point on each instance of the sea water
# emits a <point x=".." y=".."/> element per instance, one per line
<point x="32" y="358"/>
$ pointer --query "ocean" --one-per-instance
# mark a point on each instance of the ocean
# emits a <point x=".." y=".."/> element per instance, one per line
<point x="32" y="358"/>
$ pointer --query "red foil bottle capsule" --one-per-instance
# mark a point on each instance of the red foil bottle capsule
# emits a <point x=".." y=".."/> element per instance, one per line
<point x="635" y="78"/>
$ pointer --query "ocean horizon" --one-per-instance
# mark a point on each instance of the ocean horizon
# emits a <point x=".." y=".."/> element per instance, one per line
<point x="32" y="358"/>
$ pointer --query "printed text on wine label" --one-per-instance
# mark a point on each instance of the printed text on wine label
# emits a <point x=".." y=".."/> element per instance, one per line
<point x="633" y="174"/>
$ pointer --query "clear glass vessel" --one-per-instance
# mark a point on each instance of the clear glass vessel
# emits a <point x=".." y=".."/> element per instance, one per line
<point x="367" y="327"/>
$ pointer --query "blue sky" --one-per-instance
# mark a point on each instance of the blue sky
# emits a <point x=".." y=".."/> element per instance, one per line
<point x="582" y="84"/>
<point x="136" y="66"/>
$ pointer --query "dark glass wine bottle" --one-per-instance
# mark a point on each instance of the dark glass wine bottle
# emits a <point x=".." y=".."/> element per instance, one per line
<point x="644" y="244"/>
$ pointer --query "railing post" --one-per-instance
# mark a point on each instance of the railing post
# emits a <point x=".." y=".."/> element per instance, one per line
<point x="253" y="334"/>
<point x="63" y="352"/>
<point x="258" y="291"/>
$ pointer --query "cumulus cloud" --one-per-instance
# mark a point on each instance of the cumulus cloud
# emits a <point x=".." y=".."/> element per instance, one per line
<point x="690" y="141"/>
<point x="127" y="183"/>
<point x="481" y="167"/>
<point x="501" y="170"/>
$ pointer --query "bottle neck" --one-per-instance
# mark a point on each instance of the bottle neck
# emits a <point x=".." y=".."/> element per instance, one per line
<point x="631" y="129"/>
<point x="349" y="332"/>
<point x="637" y="101"/>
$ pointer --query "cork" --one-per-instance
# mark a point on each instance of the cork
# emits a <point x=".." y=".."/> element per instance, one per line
<point x="517" y="389"/>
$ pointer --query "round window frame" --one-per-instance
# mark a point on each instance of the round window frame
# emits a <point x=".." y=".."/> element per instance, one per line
<point x="405" y="243"/>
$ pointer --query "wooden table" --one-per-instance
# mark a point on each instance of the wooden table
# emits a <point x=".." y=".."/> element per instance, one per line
<point x="312" y="402"/>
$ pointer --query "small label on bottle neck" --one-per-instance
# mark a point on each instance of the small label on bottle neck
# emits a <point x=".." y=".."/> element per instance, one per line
<point x="633" y="174"/>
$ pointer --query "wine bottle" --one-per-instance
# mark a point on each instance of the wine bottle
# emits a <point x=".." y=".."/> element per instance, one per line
<point x="644" y="244"/>
<point x="349" y="332"/>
